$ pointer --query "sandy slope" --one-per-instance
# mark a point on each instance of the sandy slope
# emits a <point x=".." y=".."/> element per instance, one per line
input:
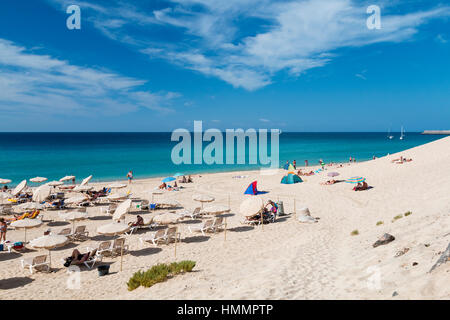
<point x="285" y="260"/>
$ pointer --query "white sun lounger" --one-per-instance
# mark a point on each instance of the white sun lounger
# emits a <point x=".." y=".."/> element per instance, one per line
<point x="37" y="263"/>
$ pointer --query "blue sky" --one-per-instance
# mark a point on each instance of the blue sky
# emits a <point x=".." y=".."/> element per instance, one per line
<point x="298" y="65"/>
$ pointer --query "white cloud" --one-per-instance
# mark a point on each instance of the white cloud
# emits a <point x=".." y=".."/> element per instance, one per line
<point x="40" y="83"/>
<point x="286" y="35"/>
<point x="441" y="38"/>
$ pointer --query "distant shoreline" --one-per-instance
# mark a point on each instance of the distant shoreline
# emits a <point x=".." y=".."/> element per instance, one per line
<point x="441" y="132"/>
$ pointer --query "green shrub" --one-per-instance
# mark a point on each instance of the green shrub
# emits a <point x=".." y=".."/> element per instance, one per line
<point x="408" y="213"/>
<point x="397" y="217"/>
<point x="159" y="273"/>
<point x="354" y="233"/>
<point x="379" y="223"/>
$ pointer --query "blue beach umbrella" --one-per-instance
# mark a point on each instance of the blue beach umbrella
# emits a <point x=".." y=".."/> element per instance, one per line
<point x="178" y="174"/>
<point x="355" y="180"/>
<point x="168" y="179"/>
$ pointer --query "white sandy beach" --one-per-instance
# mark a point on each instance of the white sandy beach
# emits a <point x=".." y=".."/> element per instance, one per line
<point x="286" y="259"/>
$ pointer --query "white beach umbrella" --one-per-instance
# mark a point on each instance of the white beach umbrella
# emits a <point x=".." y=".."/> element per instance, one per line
<point x="5" y="181"/>
<point x="27" y="206"/>
<point x="85" y="180"/>
<point x="117" y="185"/>
<point x="122" y="209"/>
<point x="251" y="206"/>
<point x="114" y="228"/>
<point x="83" y="188"/>
<point x="54" y="183"/>
<point x="76" y="199"/>
<point x="42" y="193"/>
<point x="38" y="179"/>
<point x="216" y="209"/>
<point x="73" y="216"/>
<point x="169" y="203"/>
<point x="67" y="178"/>
<point x="19" y="188"/>
<point x="49" y="242"/>
<point x="167" y="218"/>
<point x="117" y="196"/>
<point x="26" y="224"/>
<point x="153" y="193"/>
<point x="202" y="198"/>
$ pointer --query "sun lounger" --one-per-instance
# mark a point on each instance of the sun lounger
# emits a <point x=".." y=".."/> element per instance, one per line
<point x="104" y="248"/>
<point x="36" y="263"/>
<point x="109" y="209"/>
<point x="193" y="214"/>
<point x="204" y="227"/>
<point x="160" y="235"/>
<point x="172" y="234"/>
<point x="217" y="224"/>
<point x="80" y="233"/>
<point x="119" y="246"/>
<point x="65" y="232"/>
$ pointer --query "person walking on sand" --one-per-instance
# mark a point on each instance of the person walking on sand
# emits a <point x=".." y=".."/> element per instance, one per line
<point x="294" y="164"/>
<point x="130" y="176"/>
<point x="306" y="163"/>
<point x="3" y="227"/>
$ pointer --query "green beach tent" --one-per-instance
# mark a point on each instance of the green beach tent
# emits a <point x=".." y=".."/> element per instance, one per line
<point x="291" y="179"/>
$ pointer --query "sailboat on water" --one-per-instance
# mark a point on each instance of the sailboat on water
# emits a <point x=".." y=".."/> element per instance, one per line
<point x="402" y="135"/>
<point x="390" y="136"/>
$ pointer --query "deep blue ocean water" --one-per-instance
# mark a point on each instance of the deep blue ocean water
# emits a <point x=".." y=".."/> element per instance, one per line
<point x="109" y="156"/>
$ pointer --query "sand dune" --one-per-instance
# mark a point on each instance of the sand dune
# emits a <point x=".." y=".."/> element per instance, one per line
<point x="287" y="259"/>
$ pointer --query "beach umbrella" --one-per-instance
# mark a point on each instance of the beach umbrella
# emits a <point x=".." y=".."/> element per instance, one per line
<point x="117" y="196"/>
<point x="27" y="206"/>
<point x="333" y="174"/>
<point x="83" y="188"/>
<point x="67" y="178"/>
<point x="169" y="203"/>
<point x="251" y="206"/>
<point x="86" y="180"/>
<point x="216" y="209"/>
<point x="156" y="191"/>
<point x="355" y="180"/>
<point x="167" y="218"/>
<point x="42" y="193"/>
<point x="19" y="188"/>
<point x="202" y="198"/>
<point x="54" y="183"/>
<point x="178" y="174"/>
<point x="73" y="216"/>
<point x="49" y="242"/>
<point x="76" y="199"/>
<point x="122" y="210"/>
<point x="113" y="229"/>
<point x="5" y="181"/>
<point x="38" y="179"/>
<point x="117" y="185"/>
<point x="26" y="224"/>
<point x="168" y="179"/>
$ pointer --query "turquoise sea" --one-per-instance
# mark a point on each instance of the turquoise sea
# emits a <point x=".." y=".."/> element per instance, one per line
<point x="109" y="156"/>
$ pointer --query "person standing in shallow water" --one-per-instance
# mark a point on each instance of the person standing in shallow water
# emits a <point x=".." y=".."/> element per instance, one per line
<point x="130" y="176"/>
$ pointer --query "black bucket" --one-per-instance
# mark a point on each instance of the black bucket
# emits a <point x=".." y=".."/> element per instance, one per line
<point x="103" y="270"/>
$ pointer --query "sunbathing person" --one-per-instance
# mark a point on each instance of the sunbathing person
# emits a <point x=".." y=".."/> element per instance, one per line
<point x="139" y="222"/>
<point x="329" y="182"/>
<point x="163" y="186"/>
<point x="76" y="258"/>
<point x="361" y="186"/>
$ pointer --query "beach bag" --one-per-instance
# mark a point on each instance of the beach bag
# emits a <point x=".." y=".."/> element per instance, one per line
<point x="1" y="247"/>
<point x="18" y="245"/>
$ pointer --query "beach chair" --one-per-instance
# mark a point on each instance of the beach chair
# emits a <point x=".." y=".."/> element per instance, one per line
<point x="104" y="248"/>
<point x="79" y="234"/>
<point x="109" y="209"/>
<point x="204" y="227"/>
<point x="65" y="232"/>
<point x="37" y="263"/>
<point x="172" y="235"/>
<point x="196" y="213"/>
<point x="160" y="235"/>
<point x="119" y="246"/>
<point x="217" y="224"/>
